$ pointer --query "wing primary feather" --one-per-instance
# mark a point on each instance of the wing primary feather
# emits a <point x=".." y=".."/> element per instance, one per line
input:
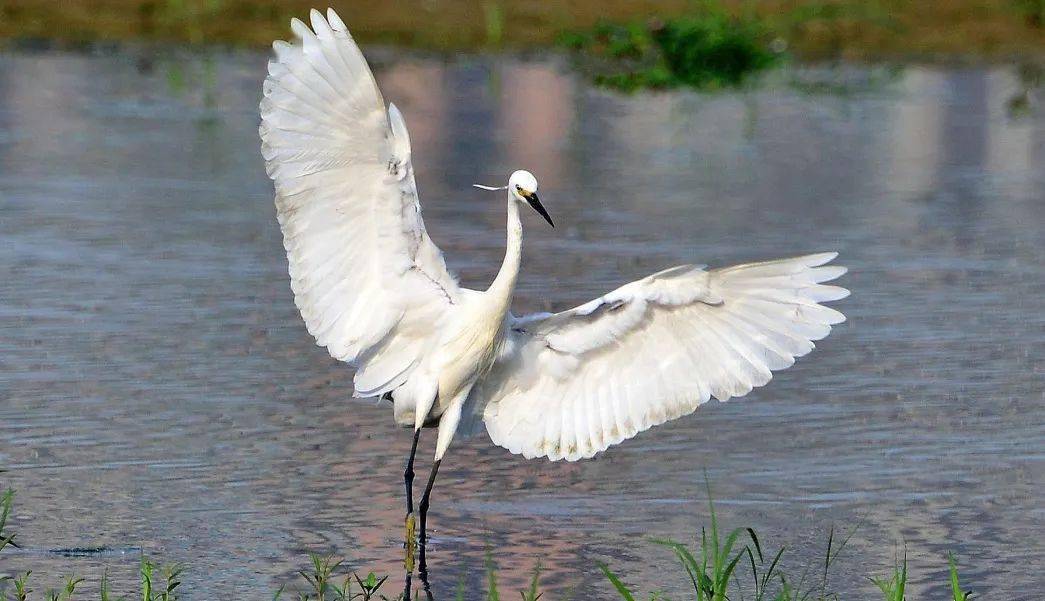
<point x="362" y="267"/>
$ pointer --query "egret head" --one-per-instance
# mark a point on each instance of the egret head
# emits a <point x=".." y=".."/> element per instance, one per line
<point x="522" y="185"/>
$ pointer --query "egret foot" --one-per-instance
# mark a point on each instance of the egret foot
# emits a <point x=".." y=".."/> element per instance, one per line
<point x="410" y="542"/>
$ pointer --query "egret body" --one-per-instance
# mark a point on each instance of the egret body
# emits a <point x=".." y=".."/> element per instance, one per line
<point x="374" y="290"/>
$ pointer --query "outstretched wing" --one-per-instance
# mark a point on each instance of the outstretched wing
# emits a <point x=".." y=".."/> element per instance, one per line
<point x="569" y="385"/>
<point x="367" y="279"/>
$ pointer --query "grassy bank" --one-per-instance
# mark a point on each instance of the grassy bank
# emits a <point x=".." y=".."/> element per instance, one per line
<point x="719" y="566"/>
<point x="851" y="29"/>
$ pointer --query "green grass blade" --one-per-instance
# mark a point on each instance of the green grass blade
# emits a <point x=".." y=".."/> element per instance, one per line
<point x="617" y="584"/>
<point x="956" y="588"/>
<point x="6" y="501"/>
<point x="491" y="580"/>
<point x="729" y="570"/>
<point x="772" y="567"/>
<point x="758" y="547"/>
<point x="531" y="594"/>
<point x="684" y="555"/>
<point x="902" y="584"/>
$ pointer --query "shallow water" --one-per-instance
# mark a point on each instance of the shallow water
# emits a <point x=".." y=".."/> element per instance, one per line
<point x="158" y="390"/>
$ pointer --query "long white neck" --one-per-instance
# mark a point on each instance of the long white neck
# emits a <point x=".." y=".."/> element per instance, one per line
<point x="504" y="284"/>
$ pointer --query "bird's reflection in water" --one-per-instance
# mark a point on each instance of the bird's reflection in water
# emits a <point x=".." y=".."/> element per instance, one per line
<point x="426" y="587"/>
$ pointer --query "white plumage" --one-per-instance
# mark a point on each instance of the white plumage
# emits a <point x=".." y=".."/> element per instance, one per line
<point x="375" y="291"/>
<point x="369" y="282"/>
<point x="653" y="350"/>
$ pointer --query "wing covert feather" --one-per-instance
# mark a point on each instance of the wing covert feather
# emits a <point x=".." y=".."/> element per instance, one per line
<point x="574" y="383"/>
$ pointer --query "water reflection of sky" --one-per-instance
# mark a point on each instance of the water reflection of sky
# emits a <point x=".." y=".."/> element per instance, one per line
<point x="158" y="389"/>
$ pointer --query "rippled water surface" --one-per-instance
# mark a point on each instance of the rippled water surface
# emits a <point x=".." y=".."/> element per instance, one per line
<point x="158" y="389"/>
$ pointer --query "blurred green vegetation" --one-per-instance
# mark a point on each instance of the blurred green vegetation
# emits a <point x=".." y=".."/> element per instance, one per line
<point x="708" y="48"/>
<point x="1033" y="11"/>
<point x="849" y="29"/>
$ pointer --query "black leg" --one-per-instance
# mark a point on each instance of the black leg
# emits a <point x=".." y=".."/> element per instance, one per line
<point x="425" y="502"/>
<point x="426" y="586"/>
<point x="408" y="537"/>
<point x="408" y="475"/>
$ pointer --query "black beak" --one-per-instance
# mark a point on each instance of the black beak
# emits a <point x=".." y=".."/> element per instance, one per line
<point x="537" y="206"/>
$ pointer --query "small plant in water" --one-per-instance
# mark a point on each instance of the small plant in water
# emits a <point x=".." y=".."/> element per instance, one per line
<point x="893" y="588"/>
<point x="715" y="576"/>
<point x="710" y="577"/>
<point x="322" y="582"/>
<point x="103" y="591"/>
<point x="170" y="575"/>
<point x="66" y="594"/>
<point x="531" y="593"/>
<point x="956" y="587"/>
<point x="491" y="579"/>
<point x="760" y="574"/>
<point x="368" y="585"/>
<point x="21" y="584"/>
<point x="6" y="538"/>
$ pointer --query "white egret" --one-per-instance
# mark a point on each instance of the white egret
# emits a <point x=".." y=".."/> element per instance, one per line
<point x="374" y="290"/>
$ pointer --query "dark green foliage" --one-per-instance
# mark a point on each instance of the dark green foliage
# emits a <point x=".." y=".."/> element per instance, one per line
<point x="712" y="50"/>
<point x="1033" y="11"/>
<point x="709" y="48"/>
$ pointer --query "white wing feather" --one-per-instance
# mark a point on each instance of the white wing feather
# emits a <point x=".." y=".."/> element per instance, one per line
<point x="569" y="385"/>
<point x="368" y="280"/>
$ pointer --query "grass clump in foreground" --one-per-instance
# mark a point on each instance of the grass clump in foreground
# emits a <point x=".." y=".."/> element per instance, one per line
<point x="323" y="586"/>
<point x="716" y="576"/>
<point x="152" y="589"/>
<point x="707" y="49"/>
